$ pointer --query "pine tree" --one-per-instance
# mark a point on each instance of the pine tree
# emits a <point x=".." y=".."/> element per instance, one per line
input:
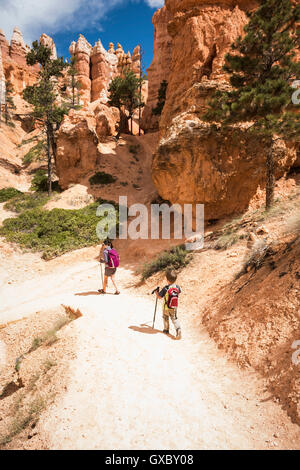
<point x="9" y="103"/>
<point x="73" y="83"/>
<point x="143" y="78"/>
<point x="48" y="109"/>
<point x="124" y="95"/>
<point x="262" y="69"/>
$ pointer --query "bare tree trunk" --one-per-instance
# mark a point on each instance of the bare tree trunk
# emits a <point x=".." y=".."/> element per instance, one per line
<point x="52" y="141"/>
<point x="270" y="184"/>
<point x="49" y="162"/>
<point x="123" y="127"/>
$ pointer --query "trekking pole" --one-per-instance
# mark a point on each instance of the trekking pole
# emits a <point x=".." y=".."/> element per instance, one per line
<point x="154" y="313"/>
<point x="101" y="269"/>
<point x="155" y="290"/>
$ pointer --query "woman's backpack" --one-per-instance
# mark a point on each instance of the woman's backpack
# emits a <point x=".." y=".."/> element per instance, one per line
<point x="113" y="258"/>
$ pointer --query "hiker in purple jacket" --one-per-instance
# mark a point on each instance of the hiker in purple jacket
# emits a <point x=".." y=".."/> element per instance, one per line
<point x="111" y="260"/>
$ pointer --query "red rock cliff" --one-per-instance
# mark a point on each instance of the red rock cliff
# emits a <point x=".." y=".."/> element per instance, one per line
<point x="194" y="163"/>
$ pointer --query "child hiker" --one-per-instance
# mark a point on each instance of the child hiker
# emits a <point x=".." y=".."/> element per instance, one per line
<point x="170" y="294"/>
<point x="111" y="260"/>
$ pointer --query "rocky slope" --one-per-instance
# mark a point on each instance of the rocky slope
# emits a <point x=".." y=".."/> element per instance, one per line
<point x="255" y="317"/>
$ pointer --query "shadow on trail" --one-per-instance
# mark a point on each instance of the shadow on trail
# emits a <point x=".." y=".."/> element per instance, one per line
<point x="148" y="330"/>
<point x="85" y="294"/>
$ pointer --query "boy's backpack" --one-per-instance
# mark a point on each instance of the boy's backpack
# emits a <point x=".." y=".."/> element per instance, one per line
<point x="113" y="258"/>
<point x="172" y="296"/>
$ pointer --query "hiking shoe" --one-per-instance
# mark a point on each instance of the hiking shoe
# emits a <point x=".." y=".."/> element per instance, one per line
<point x="166" y="332"/>
<point x="178" y="334"/>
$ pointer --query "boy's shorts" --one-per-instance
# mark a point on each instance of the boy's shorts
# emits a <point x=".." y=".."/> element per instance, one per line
<point x="170" y="312"/>
<point x="110" y="271"/>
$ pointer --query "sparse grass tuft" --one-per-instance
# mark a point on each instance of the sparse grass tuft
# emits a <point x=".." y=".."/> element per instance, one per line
<point x="50" y="337"/>
<point x="23" y="419"/>
<point x="256" y="257"/>
<point x="36" y="343"/>
<point x="226" y="240"/>
<point x="177" y="258"/>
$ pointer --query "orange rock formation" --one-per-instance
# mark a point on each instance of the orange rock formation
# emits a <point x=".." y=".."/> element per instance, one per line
<point x="97" y="67"/>
<point x="194" y="162"/>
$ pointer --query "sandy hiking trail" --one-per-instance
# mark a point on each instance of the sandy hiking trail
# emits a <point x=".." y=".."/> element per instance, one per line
<point x="131" y="387"/>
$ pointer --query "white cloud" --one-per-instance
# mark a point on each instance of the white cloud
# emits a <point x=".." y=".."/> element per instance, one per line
<point x="36" y="16"/>
<point x="155" y="3"/>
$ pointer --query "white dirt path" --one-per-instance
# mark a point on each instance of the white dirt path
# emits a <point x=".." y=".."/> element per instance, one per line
<point x="134" y="388"/>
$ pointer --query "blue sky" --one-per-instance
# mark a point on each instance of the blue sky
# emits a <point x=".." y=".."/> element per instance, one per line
<point x="126" y="21"/>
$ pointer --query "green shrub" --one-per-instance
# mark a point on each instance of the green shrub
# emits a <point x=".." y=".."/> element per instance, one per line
<point x="26" y="201"/>
<point x="102" y="178"/>
<point x="35" y="153"/>
<point x="8" y="193"/>
<point x="177" y="258"/>
<point x="53" y="232"/>
<point x="40" y="182"/>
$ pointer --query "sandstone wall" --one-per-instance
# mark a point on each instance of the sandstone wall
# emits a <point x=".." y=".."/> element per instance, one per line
<point x="160" y="67"/>
<point x="202" y="33"/>
<point x="78" y="139"/>
<point x="197" y="163"/>
<point x="2" y="81"/>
